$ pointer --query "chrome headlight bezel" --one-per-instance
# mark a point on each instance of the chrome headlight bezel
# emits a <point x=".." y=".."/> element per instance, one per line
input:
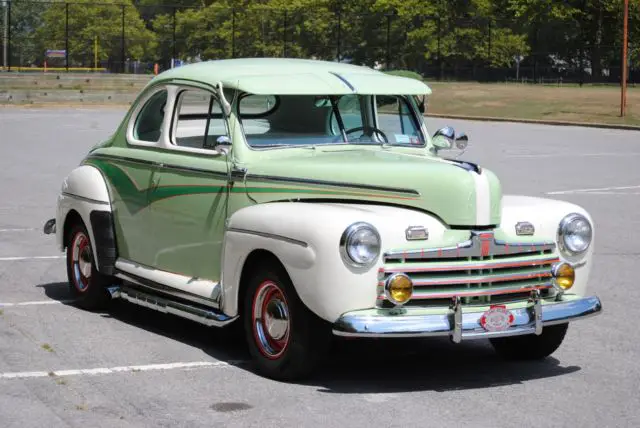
<point x="562" y="234"/>
<point x="346" y="242"/>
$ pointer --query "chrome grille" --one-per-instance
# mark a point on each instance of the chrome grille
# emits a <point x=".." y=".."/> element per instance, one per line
<point x="481" y="270"/>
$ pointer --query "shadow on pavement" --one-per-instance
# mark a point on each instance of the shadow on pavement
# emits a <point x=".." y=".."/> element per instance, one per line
<point x="435" y="364"/>
<point x="353" y="366"/>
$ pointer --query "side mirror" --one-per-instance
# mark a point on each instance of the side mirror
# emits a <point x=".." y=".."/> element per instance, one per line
<point x="443" y="138"/>
<point x="446" y="139"/>
<point x="223" y="144"/>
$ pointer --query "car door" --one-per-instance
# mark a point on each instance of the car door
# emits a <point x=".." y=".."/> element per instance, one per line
<point x="129" y="174"/>
<point x="190" y="193"/>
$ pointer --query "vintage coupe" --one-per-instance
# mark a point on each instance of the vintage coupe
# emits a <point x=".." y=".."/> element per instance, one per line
<point x="306" y="199"/>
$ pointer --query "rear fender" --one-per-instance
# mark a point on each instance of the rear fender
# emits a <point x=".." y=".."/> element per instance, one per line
<point x="85" y="192"/>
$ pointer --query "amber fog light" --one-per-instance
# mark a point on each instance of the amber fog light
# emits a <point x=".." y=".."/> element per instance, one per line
<point x="563" y="276"/>
<point x="398" y="288"/>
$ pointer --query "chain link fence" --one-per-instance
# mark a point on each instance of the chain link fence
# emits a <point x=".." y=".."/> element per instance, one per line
<point x="122" y="38"/>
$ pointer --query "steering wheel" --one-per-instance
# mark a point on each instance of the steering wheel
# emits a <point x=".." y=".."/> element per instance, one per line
<point x="368" y="131"/>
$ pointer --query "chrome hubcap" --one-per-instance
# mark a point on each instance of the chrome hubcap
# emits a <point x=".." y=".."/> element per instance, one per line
<point x="270" y="320"/>
<point x="81" y="261"/>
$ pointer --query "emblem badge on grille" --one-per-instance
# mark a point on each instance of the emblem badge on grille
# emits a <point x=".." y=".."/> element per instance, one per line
<point x="497" y="318"/>
<point x="525" y="228"/>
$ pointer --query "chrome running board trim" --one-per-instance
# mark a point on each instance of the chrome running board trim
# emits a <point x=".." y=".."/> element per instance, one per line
<point x="208" y="317"/>
<point x="157" y="288"/>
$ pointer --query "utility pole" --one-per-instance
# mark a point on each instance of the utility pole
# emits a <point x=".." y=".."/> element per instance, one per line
<point x="625" y="34"/>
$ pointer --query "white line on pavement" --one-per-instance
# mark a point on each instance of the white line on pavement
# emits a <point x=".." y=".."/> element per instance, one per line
<point x="35" y="303"/>
<point x="121" y="369"/>
<point x="600" y="189"/>
<point x="13" y="259"/>
<point x="573" y="155"/>
<point x="24" y="229"/>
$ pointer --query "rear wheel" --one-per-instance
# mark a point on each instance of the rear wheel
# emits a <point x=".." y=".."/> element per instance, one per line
<point x="286" y="339"/>
<point x="530" y="346"/>
<point x="88" y="286"/>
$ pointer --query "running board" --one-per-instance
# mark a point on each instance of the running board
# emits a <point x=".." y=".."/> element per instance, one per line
<point x="208" y="317"/>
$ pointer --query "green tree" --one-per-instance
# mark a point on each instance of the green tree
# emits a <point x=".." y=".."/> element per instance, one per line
<point x="105" y="21"/>
<point x="26" y="16"/>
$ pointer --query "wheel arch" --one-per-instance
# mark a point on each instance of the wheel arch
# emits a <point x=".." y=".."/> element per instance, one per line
<point x="257" y="259"/>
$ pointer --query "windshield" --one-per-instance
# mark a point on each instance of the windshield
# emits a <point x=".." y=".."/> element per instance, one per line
<point x="299" y="120"/>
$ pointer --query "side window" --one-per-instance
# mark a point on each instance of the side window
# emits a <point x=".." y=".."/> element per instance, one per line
<point x="255" y="111"/>
<point x="199" y="120"/>
<point x="396" y="118"/>
<point x="149" y="121"/>
<point x="350" y="112"/>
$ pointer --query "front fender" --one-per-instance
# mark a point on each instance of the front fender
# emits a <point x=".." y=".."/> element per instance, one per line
<point x="305" y="237"/>
<point x="545" y="215"/>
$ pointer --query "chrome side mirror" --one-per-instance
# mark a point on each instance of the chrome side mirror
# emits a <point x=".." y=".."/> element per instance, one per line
<point x="223" y="144"/>
<point x="446" y="139"/>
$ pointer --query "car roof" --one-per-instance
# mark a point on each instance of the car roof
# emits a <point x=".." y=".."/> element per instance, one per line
<point x="285" y="76"/>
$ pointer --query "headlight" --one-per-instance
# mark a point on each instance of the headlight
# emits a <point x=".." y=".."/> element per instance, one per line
<point x="574" y="234"/>
<point x="360" y="244"/>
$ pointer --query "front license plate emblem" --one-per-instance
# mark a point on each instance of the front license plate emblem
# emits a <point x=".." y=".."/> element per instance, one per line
<point x="497" y="318"/>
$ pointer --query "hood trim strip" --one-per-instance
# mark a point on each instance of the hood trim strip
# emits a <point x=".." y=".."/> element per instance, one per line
<point x="324" y="183"/>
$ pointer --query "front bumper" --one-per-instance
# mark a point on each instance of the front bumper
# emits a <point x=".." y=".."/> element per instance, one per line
<point x="462" y="324"/>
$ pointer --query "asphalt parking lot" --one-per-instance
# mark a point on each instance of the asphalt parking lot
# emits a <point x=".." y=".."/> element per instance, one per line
<point x="131" y="367"/>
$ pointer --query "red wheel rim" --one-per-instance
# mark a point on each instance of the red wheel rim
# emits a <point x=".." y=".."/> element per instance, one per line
<point x="81" y="261"/>
<point x="271" y="322"/>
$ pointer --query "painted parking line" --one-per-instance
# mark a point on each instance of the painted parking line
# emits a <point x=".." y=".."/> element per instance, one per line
<point x="573" y="155"/>
<point x="19" y="258"/>
<point x="35" y="303"/>
<point x="18" y="229"/>
<point x="123" y="369"/>
<point x="598" y="190"/>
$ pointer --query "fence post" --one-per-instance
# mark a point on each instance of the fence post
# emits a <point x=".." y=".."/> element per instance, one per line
<point x="387" y="65"/>
<point x="489" y="52"/>
<point x="5" y="34"/>
<point x="173" y="37"/>
<point x="8" y="24"/>
<point x="284" y="35"/>
<point x="233" y="32"/>
<point x="439" y="52"/>
<point x="66" y="36"/>
<point x="338" y="15"/>
<point x="535" y="55"/>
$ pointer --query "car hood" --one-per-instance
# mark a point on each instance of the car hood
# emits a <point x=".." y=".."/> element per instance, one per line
<point x="460" y="194"/>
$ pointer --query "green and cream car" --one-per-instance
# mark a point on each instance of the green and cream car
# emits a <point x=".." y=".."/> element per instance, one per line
<point x="301" y="199"/>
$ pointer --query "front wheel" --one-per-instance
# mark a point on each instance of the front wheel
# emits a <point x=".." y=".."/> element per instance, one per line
<point x="286" y="339"/>
<point x="88" y="286"/>
<point x="530" y="346"/>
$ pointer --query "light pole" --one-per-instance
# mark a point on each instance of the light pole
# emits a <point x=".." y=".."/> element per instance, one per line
<point x="625" y="34"/>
